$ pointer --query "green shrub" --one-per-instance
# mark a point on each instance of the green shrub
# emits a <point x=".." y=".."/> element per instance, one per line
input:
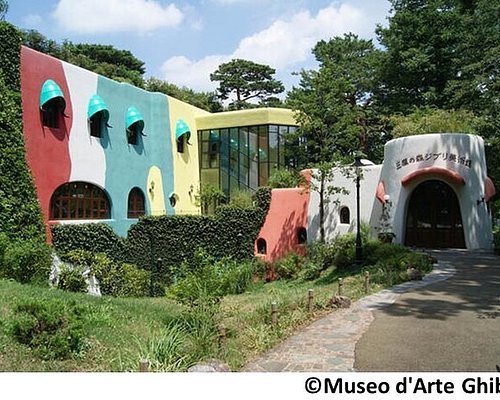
<point x="289" y="266"/>
<point x="285" y="178"/>
<point x="115" y="278"/>
<point x="126" y="280"/>
<point x="72" y="279"/>
<point x="27" y="262"/>
<point x="4" y="242"/>
<point x="310" y="271"/>
<point x="97" y="238"/>
<point x="394" y="262"/>
<point x="229" y="232"/>
<point x="241" y="199"/>
<point x="344" y="248"/>
<point x="52" y="328"/>
<point x="208" y="280"/>
<point x="322" y="255"/>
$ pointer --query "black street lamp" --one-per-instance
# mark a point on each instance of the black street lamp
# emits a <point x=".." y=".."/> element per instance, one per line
<point x="359" y="246"/>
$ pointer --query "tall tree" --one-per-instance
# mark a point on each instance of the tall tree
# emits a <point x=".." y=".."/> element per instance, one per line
<point x="4" y="7"/>
<point x="106" y="60"/>
<point x="334" y="104"/>
<point x="421" y="42"/>
<point x="245" y="80"/>
<point x="444" y="54"/>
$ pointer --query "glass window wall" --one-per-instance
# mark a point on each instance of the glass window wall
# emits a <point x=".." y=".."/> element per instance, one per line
<point x="242" y="157"/>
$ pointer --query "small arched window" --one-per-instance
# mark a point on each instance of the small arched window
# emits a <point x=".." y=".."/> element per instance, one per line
<point x="79" y="200"/>
<point x="134" y="124"/>
<point x="136" y="202"/>
<point x="98" y="116"/>
<point x="345" y="215"/>
<point x="182" y="135"/>
<point x="52" y="104"/>
<point x="302" y="235"/>
<point x="261" y="246"/>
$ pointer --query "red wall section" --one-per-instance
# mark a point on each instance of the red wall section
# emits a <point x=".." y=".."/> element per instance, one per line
<point x="47" y="149"/>
<point x="287" y="213"/>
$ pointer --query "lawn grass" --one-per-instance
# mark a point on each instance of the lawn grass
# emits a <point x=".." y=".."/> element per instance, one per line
<point x="114" y="327"/>
<point x="121" y="331"/>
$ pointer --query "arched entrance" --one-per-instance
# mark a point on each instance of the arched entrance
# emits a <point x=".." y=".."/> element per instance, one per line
<point x="433" y="219"/>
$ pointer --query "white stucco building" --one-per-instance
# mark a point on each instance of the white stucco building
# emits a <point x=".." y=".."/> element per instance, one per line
<point x="434" y="188"/>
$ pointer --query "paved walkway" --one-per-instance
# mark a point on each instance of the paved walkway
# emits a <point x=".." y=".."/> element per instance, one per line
<point x="329" y="343"/>
<point x="448" y="326"/>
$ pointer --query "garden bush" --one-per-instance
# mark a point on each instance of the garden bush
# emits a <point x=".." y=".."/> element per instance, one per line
<point x="289" y="266"/>
<point x="72" y="279"/>
<point x="4" y="242"/>
<point x="115" y="278"/>
<point x="322" y="255"/>
<point x="209" y="279"/>
<point x="344" y="248"/>
<point x="98" y="238"/>
<point x="53" y="328"/>
<point x="229" y="232"/>
<point x="394" y="262"/>
<point x="26" y="261"/>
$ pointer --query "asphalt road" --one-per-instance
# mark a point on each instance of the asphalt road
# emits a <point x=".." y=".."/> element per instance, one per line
<point x="452" y="325"/>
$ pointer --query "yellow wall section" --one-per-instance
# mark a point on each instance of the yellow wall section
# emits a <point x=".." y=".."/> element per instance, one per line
<point x="155" y="191"/>
<point x="257" y="116"/>
<point x="186" y="165"/>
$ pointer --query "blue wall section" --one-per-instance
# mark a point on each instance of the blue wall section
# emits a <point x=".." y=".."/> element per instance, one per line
<point x="128" y="165"/>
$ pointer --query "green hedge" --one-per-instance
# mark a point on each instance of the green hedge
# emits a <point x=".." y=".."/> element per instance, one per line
<point x="98" y="238"/>
<point x="26" y="261"/>
<point x="230" y="232"/>
<point x="10" y="54"/>
<point x="20" y="214"/>
<point x="160" y="243"/>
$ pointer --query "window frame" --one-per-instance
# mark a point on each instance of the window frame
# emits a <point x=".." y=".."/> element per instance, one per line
<point x="136" y="203"/>
<point x="52" y="113"/>
<point x="79" y="201"/>
<point x="342" y="211"/>
<point x="261" y="245"/>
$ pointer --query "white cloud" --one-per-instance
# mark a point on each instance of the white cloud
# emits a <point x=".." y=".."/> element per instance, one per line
<point x="290" y="41"/>
<point x="106" y="16"/>
<point x="193" y="74"/>
<point x="32" y="20"/>
<point x="285" y="43"/>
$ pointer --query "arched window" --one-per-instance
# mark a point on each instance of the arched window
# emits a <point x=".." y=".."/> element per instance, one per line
<point x="261" y="246"/>
<point x="345" y="215"/>
<point x="79" y="200"/>
<point x="302" y="235"/>
<point x="52" y="104"/>
<point x="98" y="115"/>
<point x="182" y="135"/>
<point x="136" y="207"/>
<point x="134" y="124"/>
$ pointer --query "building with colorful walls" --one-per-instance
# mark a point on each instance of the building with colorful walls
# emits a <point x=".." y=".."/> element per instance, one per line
<point x="432" y="191"/>
<point x="101" y="150"/>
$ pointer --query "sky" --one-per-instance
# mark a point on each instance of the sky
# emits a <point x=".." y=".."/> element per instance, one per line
<point x="183" y="41"/>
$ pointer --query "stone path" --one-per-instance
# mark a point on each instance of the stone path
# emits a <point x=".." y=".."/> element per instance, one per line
<point x="328" y="344"/>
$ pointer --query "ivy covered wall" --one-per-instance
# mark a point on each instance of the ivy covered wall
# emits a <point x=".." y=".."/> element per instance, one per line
<point x="20" y="215"/>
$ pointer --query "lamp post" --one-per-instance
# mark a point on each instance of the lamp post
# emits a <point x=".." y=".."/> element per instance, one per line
<point x="359" y="246"/>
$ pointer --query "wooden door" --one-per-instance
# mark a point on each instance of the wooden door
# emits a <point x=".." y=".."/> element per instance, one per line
<point x="434" y="219"/>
